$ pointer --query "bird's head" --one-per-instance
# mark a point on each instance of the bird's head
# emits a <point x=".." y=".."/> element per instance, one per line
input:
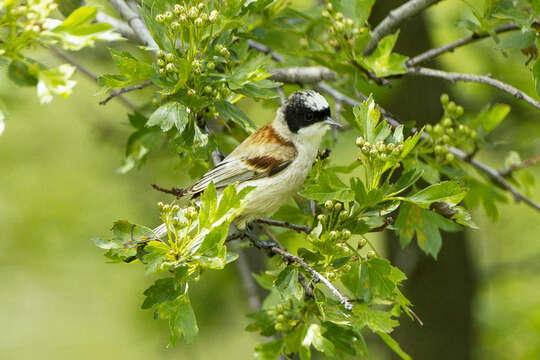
<point x="307" y="112"/>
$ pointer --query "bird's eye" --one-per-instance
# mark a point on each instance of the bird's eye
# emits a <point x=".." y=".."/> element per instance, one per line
<point x="309" y="116"/>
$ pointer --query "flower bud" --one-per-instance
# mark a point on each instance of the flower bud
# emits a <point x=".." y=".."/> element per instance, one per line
<point x="200" y="6"/>
<point x="346" y="234"/>
<point x="213" y="16"/>
<point x="473" y="134"/>
<point x="445" y="99"/>
<point x="175" y="25"/>
<point x="175" y="208"/>
<point x="160" y="62"/>
<point x="447" y="122"/>
<point x="339" y="15"/>
<point x="459" y="111"/>
<point x="182" y="18"/>
<point x="329" y="6"/>
<point x="373" y="152"/>
<point x="162" y="71"/>
<point x="429" y="128"/>
<point x="338" y="206"/>
<point x="450" y="131"/>
<point x="365" y="149"/>
<point x="328" y="204"/>
<point x="321" y="217"/>
<point x="360" y="141"/>
<point x="437" y="129"/>
<point x="361" y="243"/>
<point x="339" y="26"/>
<point x="370" y="254"/>
<point x="191" y="212"/>
<point x="198" y="22"/>
<point x="178" y="9"/>
<point x="452" y="106"/>
<point x="208" y="89"/>
<point x="166" y="207"/>
<point x="193" y="12"/>
<point x="333" y="234"/>
<point x="160" y="205"/>
<point x="390" y="146"/>
<point x="343" y="215"/>
<point x="168" y="15"/>
<point x="349" y="22"/>
<point x="450" y="157"/>
<point x="170" y="67"/>
<point x="325" y="14"/>
<point x="446" y="139"/>
<point x="161" y="54"/>
<point x="169" y="57"/>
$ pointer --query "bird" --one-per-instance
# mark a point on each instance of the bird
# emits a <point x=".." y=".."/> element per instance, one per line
<point x="275" y="160"/>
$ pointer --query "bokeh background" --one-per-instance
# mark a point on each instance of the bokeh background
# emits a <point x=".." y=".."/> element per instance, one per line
<point x="59" y="187"/>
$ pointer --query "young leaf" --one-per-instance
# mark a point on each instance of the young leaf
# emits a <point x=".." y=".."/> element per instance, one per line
<point x="269" y="350"/>
<point x="447" y="191"/>
<point x="375" y="279"/>
<point x="313" y="336"/>
<point x="182" y="321"/>
<point x="234" y="114"/>
<point x="426" y="224"/>
<point x="392" y="344"/>
<point x="383" y="62"/>
<point x="327" y="186"/>
<point x="169" y="115"/>
<point x="375" y="320"/>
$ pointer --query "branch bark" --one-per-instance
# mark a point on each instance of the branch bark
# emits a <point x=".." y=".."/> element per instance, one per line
<point x="125" y="90"/>
<point x="302" y="74"/>
<point x="525" y="163"/>
<point x="430" y="54"/>
<point x="390" y="23"/>
<point x="481" y="79"/>
<point x="136" y="23"/>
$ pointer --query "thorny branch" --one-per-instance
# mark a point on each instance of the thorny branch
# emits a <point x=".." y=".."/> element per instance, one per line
<point x="525" y="163"/>
<point x="481" y="79"/>
<point x="125" y="90"/>
<point x="390" y="23"/>
<point x="83" y="70"/>
<point x="430" y="54"/>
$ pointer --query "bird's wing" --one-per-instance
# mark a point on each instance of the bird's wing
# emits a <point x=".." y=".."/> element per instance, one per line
<point x="262" y="154"/>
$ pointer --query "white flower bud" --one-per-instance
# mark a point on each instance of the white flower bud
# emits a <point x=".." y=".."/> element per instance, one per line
<point x="170" y="67"/>
<point x="213" y="16"/>
<point x="193" y="12"/>
<point x="199" y="22"/>
<point x="178" y="9"/>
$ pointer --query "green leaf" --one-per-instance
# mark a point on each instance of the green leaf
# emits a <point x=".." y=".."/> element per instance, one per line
<point x="20" y="74"/>
<point x="392" y="344"/>
<point x="494" y="116"/>
<point x="426" y="224"/>
<point x="79" y="31"/>
<point x="66" y="7"/>
<point x="234" y="114"/>
<point x="182" y="321"/>
<point x="375" y="320"/>
<point x="375" y="279"/>
<point x="406" y="180"/>
<point x="367" y="117"/>
<point x="155" y="253"/>
<point x="287" y="284"/>
<point x="326" y="186"/>
<point x="55" y="81"/>
<point x="450" y="192"/>
<point x="313" y="337"/>
<point x="269" y="350"/>
<point x="382" y="61"/>
<point x="162" y="290"/>
<point x="169" y="115"/>
<point x="132" y="71"/>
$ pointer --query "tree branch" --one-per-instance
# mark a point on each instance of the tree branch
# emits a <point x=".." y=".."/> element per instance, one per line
<point x="298" y="228"/>
<point x="481" y="79"/>
<point x="136" y="23"/>
<point x="392" y="121"/>
<point x="125" y="90"/>
<point x="525" y="163"/>
<point x="390" y="23"/>
<point x="302" y="74"/>
<point x="265" y="50"/>
<point x="458" y="43"/>
<point x="287" y="256"/>
<point x="119" y="26"/>
<point x="83" y="70"/>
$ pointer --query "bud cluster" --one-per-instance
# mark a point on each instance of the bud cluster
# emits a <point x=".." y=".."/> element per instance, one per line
<point x="335" y="214"/>
<point x="32" y="18"/>
<point x="165" y="62"/>
<point x="181" y="16"/>
<point x="379" y="150"/>
<point x="342" y="27"/>
<point x="282" y="315"/>
<point x="448" y="131"/>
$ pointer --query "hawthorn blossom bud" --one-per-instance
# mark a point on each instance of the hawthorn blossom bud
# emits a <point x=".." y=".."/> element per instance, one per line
<point x="160" y="18"/>
<point x="329" y="6"/>
<point x="201" y="5"/>
<point x="329" y="204"/>
<point x="339" y="26"/>
<point x="360" y="141"/>
<point x="170" y="67"/>
<point x="321" y="217"/>
<point x="175" y="208"/>
<point x="447" y="122"/>
<point x="168" y="15"/>
<point x="169" y="57"/>
<point x="211" y="66"/>
<point x="450" y="157"/>
<point x="339" y="15"/>
<point x="198" y="22"/>
<point x="160" y="205"/>
<point x="178" y="9"/>
<point x="361" y="243"/>
<point x="161" y="54"/>
<point x="160" y="62"/>
<point x="346" y="234"/>
<point x="213" y="16"/>
<point x="370" y="254"/>
<point x="325" y="14"/>
<point x="175" y="25"/>
<point x="191" y="212"/>
<point x="338" y="206"/>
<point x="193" y="12"/>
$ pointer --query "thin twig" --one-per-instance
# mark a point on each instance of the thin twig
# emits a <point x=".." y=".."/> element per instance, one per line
<point x="298" y="228"/>
<point x="83" y="70"/>
<point x="392" y="121"/>
<point x="524" y="164"/>
<point x="430" y="54"/>
<point x="481" y="79"/>
<point x="125" y="90"/>
<point x="135" y="22"/>
<point x="265" y="50"/>
<point x="287" y="256"/>
<point x="178" y="192"/>
<point x="391" y="22"/>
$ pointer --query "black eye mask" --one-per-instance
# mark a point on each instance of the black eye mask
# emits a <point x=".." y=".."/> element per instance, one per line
<point x="298" y="114"/>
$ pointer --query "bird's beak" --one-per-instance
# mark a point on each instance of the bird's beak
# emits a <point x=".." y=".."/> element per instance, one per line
<point x="333" y="123"/>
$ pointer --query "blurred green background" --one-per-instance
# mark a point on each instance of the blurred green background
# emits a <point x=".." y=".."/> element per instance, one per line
<point x="59" y="188"/>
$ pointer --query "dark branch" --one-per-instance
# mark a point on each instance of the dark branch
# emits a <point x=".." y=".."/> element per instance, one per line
<point x="298" y="228"/>
<point x="430" y="54"/>
<point x="394" y="19"/>
<point x="178" y="192"/>
<point x="481" y="79"/>
<point x="125" y="90"/>
<point x="524" y="164"/>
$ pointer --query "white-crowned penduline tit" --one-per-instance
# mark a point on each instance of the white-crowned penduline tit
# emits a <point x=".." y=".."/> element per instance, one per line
<point x="275" y="159"/>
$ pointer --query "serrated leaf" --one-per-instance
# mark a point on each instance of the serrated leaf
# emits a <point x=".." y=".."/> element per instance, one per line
<point x="182" y="321"/>
<point x="171" y="114"/>
<point x="326" y="186"/>
<point x="269" y="350"/>
<point x="449" y="192"/>
<point x="313" y="337"/>
<point x="382" y="61"/>
<point x="426" y="224"/>
<point x="367" y="117"/>
<point x="375" y="320"/>
<point x="234" y="114"/>
<point x="406" y="180"/>
<point x="392" y="344"/>
<point x="287" y="284"/>
<point x="375" y="279"/>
